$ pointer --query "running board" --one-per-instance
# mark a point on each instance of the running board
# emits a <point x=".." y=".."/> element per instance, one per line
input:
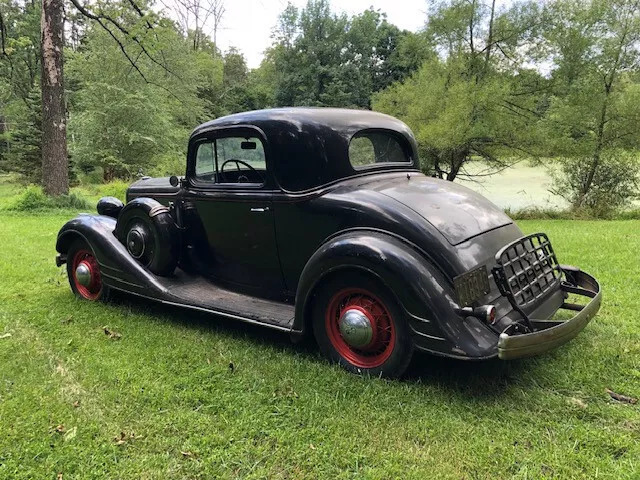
<point x="198" y="293"/>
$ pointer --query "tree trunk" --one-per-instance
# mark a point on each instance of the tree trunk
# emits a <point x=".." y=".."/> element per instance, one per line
<point x="487" y="57"/>
<point x="55" y="165"/>
<point x="595" y="162"/>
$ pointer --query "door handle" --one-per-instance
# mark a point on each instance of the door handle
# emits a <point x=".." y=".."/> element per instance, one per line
<point x="260" y="209"/>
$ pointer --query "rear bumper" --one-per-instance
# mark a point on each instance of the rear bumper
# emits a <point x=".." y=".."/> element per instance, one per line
<point x="555" y="333"/>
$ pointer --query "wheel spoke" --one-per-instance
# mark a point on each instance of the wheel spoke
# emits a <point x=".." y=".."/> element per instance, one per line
<point x="379" y="350"/>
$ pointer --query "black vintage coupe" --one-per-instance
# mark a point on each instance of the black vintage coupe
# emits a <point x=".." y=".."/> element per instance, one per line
<point x="319" y="222"/>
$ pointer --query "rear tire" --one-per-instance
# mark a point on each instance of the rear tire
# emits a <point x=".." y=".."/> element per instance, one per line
<point x="81" y="255"/>
<point x="387" y="348"/>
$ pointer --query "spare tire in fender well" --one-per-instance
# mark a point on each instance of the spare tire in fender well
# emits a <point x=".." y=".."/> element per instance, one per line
<point x="148" y="230"/>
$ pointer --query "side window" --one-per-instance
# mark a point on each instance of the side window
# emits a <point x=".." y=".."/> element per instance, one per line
<point x="206" y="162"/>
<point x="370" y="148"/>
<point x="231" y="160"/>
<point x="361" y="152"/>
<point x="245" y="149"/>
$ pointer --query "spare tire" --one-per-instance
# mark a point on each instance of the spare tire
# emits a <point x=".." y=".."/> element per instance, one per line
<point x="148" y="230"/>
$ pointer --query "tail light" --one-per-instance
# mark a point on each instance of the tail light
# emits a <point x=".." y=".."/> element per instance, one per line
<point x="486" y="313"/>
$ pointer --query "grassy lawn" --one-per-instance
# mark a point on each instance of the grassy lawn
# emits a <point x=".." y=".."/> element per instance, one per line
<point x="183" y="395"/>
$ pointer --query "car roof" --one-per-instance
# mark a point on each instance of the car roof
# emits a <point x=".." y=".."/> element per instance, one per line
<point x="309" y="147"/>
<point x="337" y="119"/>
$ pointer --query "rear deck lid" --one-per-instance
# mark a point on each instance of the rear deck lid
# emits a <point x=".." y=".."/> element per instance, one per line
<point x="456" y="211"/>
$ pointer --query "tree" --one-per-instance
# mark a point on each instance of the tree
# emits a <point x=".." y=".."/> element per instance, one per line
<point x="376" y="49"/>
<point x="324" y="59"/>
<point x="475" y="96"/>
<point x="20" y="98"/>
<point x="55" y="171"/>
<point x="123" y="122"/>
<point x="193" y="16"/>
<point x="595" y="110"/>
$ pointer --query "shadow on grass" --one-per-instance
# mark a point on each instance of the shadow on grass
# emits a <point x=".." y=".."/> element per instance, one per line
<point x="486" y="379"/>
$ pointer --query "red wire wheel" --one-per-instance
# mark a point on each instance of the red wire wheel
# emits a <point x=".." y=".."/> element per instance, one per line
<point x="93" y="289"/>
<point x="383" y="333"/>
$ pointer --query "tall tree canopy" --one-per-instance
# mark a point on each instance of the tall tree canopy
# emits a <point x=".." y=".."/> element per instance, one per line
<point x="476" y="95"/>
<point x="325" y="59"/>
<point x="594" y="114"/>
<point x="20" y="102"/>
<point x="483" y="80"/>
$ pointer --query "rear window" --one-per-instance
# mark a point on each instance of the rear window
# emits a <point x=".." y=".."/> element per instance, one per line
<point x="369" y="149"/>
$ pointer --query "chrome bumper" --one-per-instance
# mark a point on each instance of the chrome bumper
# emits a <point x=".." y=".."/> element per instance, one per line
<point x="557" y="333"/>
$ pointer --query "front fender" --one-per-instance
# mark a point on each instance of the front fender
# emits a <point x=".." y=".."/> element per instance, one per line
<point x="117" y="267"/>
<point x="422" y="290"/>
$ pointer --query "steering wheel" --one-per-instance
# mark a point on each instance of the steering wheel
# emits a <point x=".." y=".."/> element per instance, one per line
<point x="238" y="163"/>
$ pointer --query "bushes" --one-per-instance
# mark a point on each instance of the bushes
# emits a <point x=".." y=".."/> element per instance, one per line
<point x="117" y="188"/>
<point x="34" y="199"/>
<point x="572" y="214"/>
<point x="613" y="187"/>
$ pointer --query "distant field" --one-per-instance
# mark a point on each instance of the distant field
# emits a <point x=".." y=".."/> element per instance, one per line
<point x="519" y="187"/>
<point x="182" y="395"/>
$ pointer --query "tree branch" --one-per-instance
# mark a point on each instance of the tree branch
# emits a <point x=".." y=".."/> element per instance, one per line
<point x="101" y="18"/>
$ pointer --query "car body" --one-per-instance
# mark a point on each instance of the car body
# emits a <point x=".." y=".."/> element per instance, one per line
<point x="319" y="221"/>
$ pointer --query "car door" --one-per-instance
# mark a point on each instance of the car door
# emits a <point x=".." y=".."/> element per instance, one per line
<point x="230" y="186"/>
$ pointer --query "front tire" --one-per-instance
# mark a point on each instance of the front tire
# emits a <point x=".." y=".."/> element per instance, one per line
<point x="358" y="323"/>
<point x="83" y="271"/>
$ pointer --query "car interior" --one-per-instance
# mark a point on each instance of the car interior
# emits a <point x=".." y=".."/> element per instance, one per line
<point x="230" y="160"/>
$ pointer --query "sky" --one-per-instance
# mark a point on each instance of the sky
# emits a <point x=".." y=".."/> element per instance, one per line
<point x="247" y="24"/>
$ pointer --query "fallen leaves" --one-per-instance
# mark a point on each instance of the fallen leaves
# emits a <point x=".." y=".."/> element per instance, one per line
<point x="5" y="335"/>
<point x="188" y="454"/>
<point x="577" y="402"/>
<point x="125" y="437"/>
<point x="621" y="398"/>
<point x="112" y="334"/>
<point x="70" y="434"/>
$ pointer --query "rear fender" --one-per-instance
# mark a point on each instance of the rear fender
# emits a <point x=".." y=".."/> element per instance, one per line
<point x="423" y="292"/>
<point x="117" y="268"/>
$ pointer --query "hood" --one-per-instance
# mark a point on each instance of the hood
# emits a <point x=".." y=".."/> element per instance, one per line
<point x="149" y="186"/>
<point x="456" y="211"/>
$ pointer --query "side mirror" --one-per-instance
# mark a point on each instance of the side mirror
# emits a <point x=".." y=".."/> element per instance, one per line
<point x="174" y="181"/>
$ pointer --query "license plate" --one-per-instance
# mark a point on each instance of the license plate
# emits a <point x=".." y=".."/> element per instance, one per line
<point x="472" y="286"/>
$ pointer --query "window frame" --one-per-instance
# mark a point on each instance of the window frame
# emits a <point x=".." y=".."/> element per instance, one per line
<point x="402" y="143"/>
<point x="211" y="136"/>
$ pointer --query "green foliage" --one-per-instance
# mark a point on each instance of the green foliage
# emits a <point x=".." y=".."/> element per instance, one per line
<point x="20" y="103"/>
<point x="475" y="99"/>
<point x="595" y="108"/>
<point x="557" y="78"/>
<point x="325" y="59"/>
<point x="116" y="188"/>
<point x="123" y="123"/>
<point x="613" y="187"/>
<point x="33" y="199"/>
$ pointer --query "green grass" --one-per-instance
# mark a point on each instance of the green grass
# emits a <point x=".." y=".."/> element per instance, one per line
<point x="163" y="401"/>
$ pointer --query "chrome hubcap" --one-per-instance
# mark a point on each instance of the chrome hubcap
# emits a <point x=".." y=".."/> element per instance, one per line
<point x="355" y="328"/>
<point x="83" y="274"/>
